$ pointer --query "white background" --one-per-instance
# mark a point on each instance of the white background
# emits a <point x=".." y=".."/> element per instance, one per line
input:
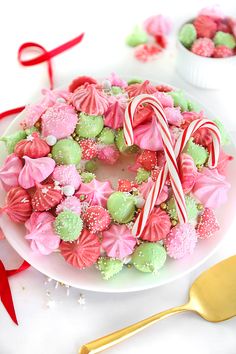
<point x="62" y="329"/>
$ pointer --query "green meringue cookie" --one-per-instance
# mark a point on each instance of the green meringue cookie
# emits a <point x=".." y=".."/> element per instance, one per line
<point x="87" y="177"/>
<point x="142" y="175"/>
<point x="179" y="100"/>
<point x="187" y="35"/>
<point x="107" y="136"/>
<point x="109" y="267"/>
<point x="193" y="107"/>
<point x="116" y="90"/>
<point x="198" y="152"/>
<point x="227" y="39"/>
<point x="149" y="257"/>
<point x="66" y="152"/>
<point x="121" y="144"/>
<point x="137" y="37"/>
<point x="89" y="126"/>
<point x="121" y="206"/>
<point x="90" y="166"/>
<point x="225" y="137"/>
<point x="12" y="139"/>
<point x="31" y="130"/>
<point x="191" y="206"/>
<point x="68" y="225"/>
<point x="134" y="81"/>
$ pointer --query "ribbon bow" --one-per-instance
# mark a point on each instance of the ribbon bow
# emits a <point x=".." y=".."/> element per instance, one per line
<point x="5" y="291"/>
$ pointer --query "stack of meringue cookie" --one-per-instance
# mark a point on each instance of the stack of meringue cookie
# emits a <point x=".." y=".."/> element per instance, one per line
<point x="50" y="176"/>
<point x="210" y="34"/>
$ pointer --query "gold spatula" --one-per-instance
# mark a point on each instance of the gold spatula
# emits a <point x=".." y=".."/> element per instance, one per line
<point x="212" y="296"/>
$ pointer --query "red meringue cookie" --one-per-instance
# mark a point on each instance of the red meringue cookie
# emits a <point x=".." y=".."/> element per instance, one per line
<point x="89" y="149"/>
<point x="142" y="115"/>
<point x="115" y="114"/>
<point x="187" y="172"/>
<point x="138" y="89"/>
<point x="46" y="197"/>
<point x="203" y="135"/>
<point x="207" y="224"/>
<point x="79" y="81"/>
<point x="147" y="159"/>
<point x="9" y="172"/>
<point x="205" y="26"/>
<point x="157" y="227"/>
<point x="124" y="185"/>
<point x="90" y="100"/>
<point x="96" y="218"/>
<point x="83" y="252"/>
<point x="33" y="147"/>
<point x="18" y="205"/>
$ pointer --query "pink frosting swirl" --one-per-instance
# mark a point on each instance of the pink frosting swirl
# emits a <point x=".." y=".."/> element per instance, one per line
<point x="95" y="192"/>
<point x="147" y="136"/>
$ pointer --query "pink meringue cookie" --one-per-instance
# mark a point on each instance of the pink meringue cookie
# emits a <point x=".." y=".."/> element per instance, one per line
<point x="181" y="241"/>
<point x="166" y="100"/>
<point x="173" y="115"/>
<point x="223" y="162"/>
<point x="40" y="231"/>
<point x="95" y="192"/>
<point x="157" y="227"/>
<point x="70" y="203"/>
<point x="90" y="100"/>
<point x="114" y="116"/>
<point x="147" y="136"/>
<point x="108" y="154"/>
<point x="9" y="172"/>
<point x="145" y="188"/>
<point x="118" y="241"/>
<point x="115" y="80"/>
<point x="211" y="188"/>
<point x="158" y="25"/>
<point x="53" y="96"/>
<point x="143" y="114"/>
<point x="187" y="172"/>
<point x="35" y="170"/>
<point x="33" y="113"/>
<point x="67" y="175"/>
<point x="214" y="12"/>
<point x="59" y="121"/>
<point x="138" y="89"/>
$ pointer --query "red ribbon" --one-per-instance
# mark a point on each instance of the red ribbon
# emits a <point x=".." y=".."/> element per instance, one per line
<point x="46" y="56"/>
<point x="5" y="291"/>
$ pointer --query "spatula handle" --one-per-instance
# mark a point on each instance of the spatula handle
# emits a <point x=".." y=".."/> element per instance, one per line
<point x="111" y="339"/>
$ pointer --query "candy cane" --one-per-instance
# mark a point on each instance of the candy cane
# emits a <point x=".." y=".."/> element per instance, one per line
<point x="179" y="146"/>
<point x="191" y="129"/>
<point x="170" y="166"/>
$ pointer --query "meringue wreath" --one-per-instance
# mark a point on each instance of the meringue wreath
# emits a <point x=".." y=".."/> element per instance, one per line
<point x="51" y="184"/>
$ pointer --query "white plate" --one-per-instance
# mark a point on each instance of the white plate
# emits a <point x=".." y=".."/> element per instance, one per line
<point x="128" y="280"/>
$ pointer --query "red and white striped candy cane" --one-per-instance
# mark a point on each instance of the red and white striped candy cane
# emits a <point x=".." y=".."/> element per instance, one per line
<point x="170" y="166"/>
<point x="191" y="129"/>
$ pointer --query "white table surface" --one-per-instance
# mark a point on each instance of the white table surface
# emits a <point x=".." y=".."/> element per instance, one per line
<point x="63" y="327"/>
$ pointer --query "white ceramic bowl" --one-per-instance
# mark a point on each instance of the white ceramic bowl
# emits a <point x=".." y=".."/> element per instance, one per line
<point x="207" y="73"/>
<point x="128" y="280"/>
